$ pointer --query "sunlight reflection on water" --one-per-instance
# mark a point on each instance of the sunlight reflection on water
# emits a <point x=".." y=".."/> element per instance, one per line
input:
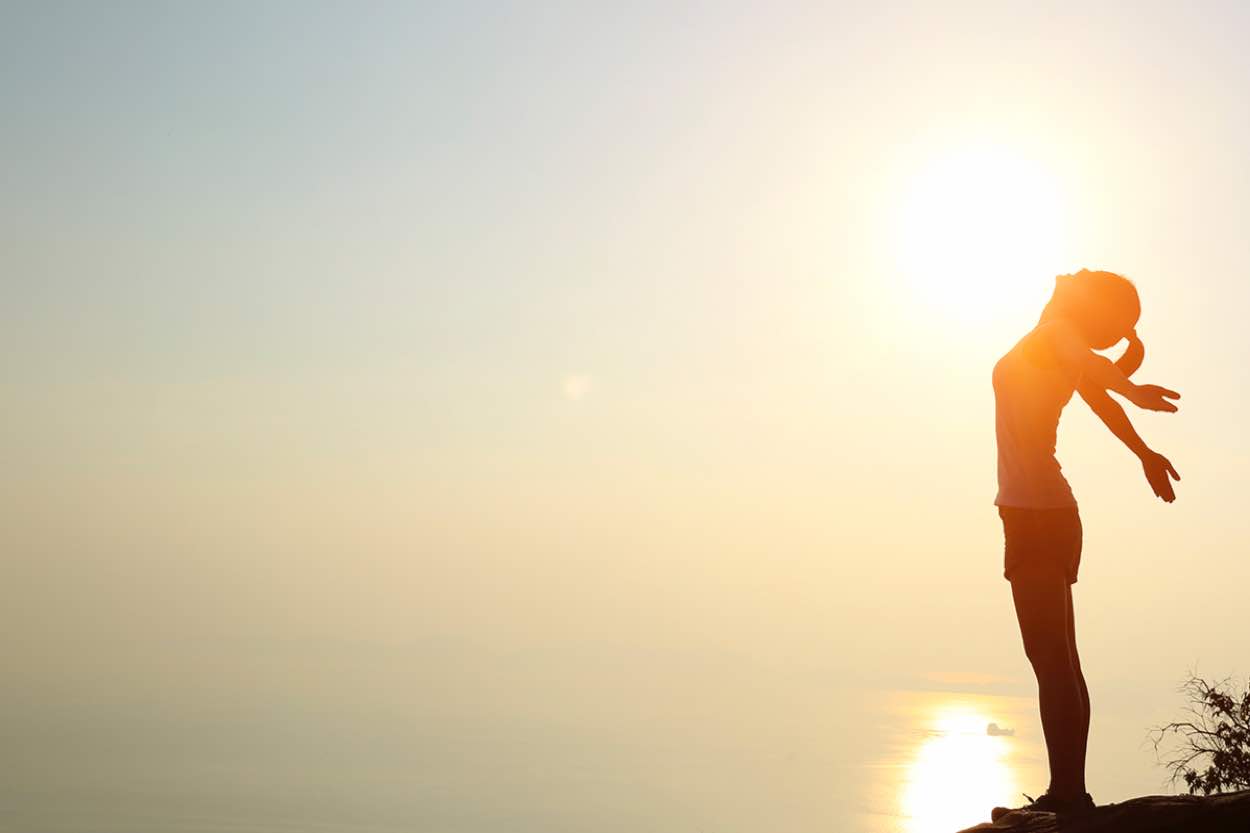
<point x="953" y="770"/>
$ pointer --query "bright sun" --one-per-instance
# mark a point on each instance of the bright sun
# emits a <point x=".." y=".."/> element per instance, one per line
<point x="977" y="225"/>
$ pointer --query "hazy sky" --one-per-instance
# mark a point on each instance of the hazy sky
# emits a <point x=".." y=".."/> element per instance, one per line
<point x="449" y="362"/>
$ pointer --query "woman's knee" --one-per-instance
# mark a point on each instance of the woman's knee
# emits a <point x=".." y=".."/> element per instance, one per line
<point x="1074" y="659"/>
<point x="1048" y="654"/>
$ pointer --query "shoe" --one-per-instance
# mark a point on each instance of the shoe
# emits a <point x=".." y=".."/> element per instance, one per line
<point x="1047" y="803"/>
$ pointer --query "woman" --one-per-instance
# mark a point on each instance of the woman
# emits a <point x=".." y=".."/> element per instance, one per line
<point x="1032" y="383"/>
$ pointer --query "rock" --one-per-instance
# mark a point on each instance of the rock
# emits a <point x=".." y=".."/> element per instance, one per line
<point x="1226" y="813"/>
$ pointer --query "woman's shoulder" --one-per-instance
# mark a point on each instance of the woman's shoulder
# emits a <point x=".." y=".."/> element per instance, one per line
<point x="1060" y="345"/>
<point x="1038" y="347"/>
<point x="1023" y="344"/>
<point x="1058" y="330"/>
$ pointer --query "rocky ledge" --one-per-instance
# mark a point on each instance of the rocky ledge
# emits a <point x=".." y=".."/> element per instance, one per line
<point x="1227" y="813"/>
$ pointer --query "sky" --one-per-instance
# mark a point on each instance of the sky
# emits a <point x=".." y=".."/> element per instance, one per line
<point x="568" y="365"/>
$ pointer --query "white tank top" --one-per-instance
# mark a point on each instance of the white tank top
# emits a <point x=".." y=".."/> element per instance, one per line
<point x="1029" y="394"/>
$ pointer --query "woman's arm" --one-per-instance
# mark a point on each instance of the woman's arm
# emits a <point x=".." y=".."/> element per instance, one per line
<point x="1133" y="355"/>
<point x="1155" y="466"/>
<point x="1113" y="416"/>
<point x="1089" y="370"/>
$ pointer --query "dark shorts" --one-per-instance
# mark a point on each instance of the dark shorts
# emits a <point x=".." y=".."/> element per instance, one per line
<point x="1041" y="539"/>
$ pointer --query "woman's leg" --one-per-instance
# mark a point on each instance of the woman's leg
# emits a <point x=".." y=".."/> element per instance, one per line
<point x="1043" y="609"/>
<point x="1076" y="664"/>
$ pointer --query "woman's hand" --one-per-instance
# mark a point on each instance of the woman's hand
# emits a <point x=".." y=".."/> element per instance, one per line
<point x="1152" y="398"/>
<point x="1159" y="474"/>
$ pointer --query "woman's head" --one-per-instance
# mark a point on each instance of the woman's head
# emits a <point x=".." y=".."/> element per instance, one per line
<point x="1103" y="305"/>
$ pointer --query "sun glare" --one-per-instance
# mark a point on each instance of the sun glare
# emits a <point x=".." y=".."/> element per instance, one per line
<point x="975" y="227"/>
<point x="957" y="773"/>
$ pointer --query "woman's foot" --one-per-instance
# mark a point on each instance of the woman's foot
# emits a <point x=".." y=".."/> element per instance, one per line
<point x="1047" y="803"/>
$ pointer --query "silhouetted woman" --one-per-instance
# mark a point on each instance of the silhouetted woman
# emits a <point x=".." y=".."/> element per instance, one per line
<point x="1032" y="383"/>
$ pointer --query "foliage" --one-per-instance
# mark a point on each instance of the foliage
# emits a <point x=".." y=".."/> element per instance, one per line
<point x="1216" y="735"/>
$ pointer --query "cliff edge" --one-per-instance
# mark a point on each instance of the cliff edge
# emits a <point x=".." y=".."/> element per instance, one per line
<point x="1226" y="813"/>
